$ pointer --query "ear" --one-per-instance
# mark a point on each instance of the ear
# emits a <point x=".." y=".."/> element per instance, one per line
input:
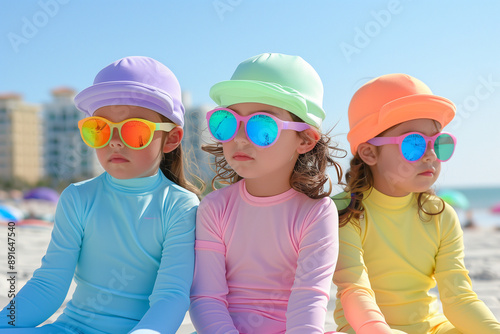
<point x="173" y="140"/>
<point x="309" y="139"/>
<point x="368" y="153"/>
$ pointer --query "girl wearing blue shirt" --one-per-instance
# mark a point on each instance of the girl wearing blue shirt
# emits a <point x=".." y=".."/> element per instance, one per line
<point x="126" y="236"/>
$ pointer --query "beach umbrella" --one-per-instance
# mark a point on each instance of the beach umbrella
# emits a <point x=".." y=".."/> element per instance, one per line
<point x="454" y="198"/>
<point x="9" y="213"/>
<point x="495" y="208"/>
<point x="42" y="193"/>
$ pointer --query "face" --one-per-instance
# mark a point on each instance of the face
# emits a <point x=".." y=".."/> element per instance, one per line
<point x="264" y="168"/>
<point x="393" y="174"/>
<point x="122" y="162"/>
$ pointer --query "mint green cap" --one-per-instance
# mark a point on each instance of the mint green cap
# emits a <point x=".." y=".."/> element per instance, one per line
<point x="276" y="79"/>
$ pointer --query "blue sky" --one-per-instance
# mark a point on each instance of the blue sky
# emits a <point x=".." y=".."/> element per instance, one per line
<point x="450" y="45"/>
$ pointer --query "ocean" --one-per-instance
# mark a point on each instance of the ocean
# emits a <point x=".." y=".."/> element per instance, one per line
<point x="481" y="201"/>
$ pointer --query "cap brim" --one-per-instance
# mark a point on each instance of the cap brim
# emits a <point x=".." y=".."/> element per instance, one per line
<point x="404" y="109"/>
<point x="127" y="93"/>
<point x="407" y="108"/>
<point x="227" y="93"/>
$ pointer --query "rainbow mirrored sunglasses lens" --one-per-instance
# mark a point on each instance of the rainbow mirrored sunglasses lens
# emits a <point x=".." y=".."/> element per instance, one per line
<point x="135" y="133"/>
<point x="95" y="132"/>
<point x="222" y="125"/>
<point x="444" y="146"/>
<point x="413" y="147"/>
<point x="262" y="130"/>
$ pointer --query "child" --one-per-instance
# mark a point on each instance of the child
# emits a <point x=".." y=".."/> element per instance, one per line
<point x="267" y="244"/>
<point x="127" y="236"/>
<point x="396" y="238"/>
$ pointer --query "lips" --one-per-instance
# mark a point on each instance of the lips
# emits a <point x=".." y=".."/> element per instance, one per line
<point x="117" y="158"/>
<point x="240" y="156"/>
<point x="429" y="172"/>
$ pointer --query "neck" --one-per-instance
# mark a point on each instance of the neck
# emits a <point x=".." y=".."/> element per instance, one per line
<point x="267" y="187"/>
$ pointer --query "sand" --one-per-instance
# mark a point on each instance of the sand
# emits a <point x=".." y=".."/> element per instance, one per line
<point x="482" y="249"/>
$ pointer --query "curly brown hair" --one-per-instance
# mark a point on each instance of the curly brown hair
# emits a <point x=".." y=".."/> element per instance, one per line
<point x="309" y="175"/>
<point x="359" y="181"/>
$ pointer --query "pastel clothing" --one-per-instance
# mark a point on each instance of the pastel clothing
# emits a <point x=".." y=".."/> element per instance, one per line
<point x="386" y="269"/>
<point x="263" y="264"/>
<point x="129" y="244"/>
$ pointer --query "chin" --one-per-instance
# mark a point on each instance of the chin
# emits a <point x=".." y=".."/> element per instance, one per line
<point x="423" y="188"/>
<point x="120" y="176"/>
<point x="121" y="173"/>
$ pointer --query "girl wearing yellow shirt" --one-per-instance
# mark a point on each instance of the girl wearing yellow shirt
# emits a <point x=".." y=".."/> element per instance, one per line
<point x="397" y="240"/>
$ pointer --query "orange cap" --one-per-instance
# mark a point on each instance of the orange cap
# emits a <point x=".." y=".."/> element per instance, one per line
<point x="392" y="99"/>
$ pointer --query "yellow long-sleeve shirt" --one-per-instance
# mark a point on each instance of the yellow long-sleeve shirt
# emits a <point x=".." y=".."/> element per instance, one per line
<point x="386" y="269"/>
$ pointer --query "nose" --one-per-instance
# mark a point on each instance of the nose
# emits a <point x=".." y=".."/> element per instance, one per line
<point x="116" y="141"/>
<point x="241" y="136"/>
<point x="429" y="154"/>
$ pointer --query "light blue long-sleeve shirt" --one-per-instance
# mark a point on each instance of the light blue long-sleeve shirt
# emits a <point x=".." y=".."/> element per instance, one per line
<point x="129" y="244"/>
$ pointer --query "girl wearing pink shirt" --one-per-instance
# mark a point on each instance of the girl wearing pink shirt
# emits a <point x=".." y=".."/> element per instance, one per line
<point x="266" y="246"/>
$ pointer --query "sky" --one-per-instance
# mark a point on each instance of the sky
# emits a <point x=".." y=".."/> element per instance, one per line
<point x="452" y="46"/>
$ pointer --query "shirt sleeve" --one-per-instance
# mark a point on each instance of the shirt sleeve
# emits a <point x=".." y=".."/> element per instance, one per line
<point x="44" y="293"/>
<point x="353" y="285"/>
<point x="461" y="305"/>
<point x="318" y="252"/>
<point x="169" y="300"/>
<point x="209" y="308"/>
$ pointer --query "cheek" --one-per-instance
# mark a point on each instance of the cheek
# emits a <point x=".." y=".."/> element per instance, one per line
<point x="226" y="148"/>
<point x="389" y="152"/>
<point x="438" y="167"/>
<point x="101" y="154"/>
<point x="391" y="155"/>
<point x="152" y="152"/>
<point x="406" y="169"/>
<point x="394" y="166"/>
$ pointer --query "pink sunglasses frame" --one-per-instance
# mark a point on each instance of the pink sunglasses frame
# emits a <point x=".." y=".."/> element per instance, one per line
<point x="379" y="141"/>
<point x="282" y="125"/>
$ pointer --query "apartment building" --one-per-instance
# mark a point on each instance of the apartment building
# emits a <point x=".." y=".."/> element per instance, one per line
<point x="20" y="139"/>
<point x="65" y="155"/>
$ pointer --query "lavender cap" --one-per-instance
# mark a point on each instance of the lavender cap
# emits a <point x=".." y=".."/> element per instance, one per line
<point x="136" y="81"/>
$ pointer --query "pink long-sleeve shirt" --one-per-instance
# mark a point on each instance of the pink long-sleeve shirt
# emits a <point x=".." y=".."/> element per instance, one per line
<point x="263" y="264"/>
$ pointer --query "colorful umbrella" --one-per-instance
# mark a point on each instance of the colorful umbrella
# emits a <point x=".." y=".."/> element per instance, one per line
<point x="454" y="198"/>
<point x="42" y="193"/>
<point x="11" y="214"/>
<point x="495" y="208"/>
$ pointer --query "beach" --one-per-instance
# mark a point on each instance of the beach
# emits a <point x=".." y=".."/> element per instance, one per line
<point x="482" y="258"/>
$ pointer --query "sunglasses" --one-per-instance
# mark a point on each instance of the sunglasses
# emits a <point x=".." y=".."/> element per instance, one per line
<point x="135" y="133"/>
<point x="261" y="128"/>
<point x="413" y="145"/>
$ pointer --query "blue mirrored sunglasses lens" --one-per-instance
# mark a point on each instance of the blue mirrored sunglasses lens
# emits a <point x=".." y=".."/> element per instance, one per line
<point x="413" y="147"/>
<point x="262" y="130"/>
<point x="444" y="147"/>
<point x="222" y="125"/>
